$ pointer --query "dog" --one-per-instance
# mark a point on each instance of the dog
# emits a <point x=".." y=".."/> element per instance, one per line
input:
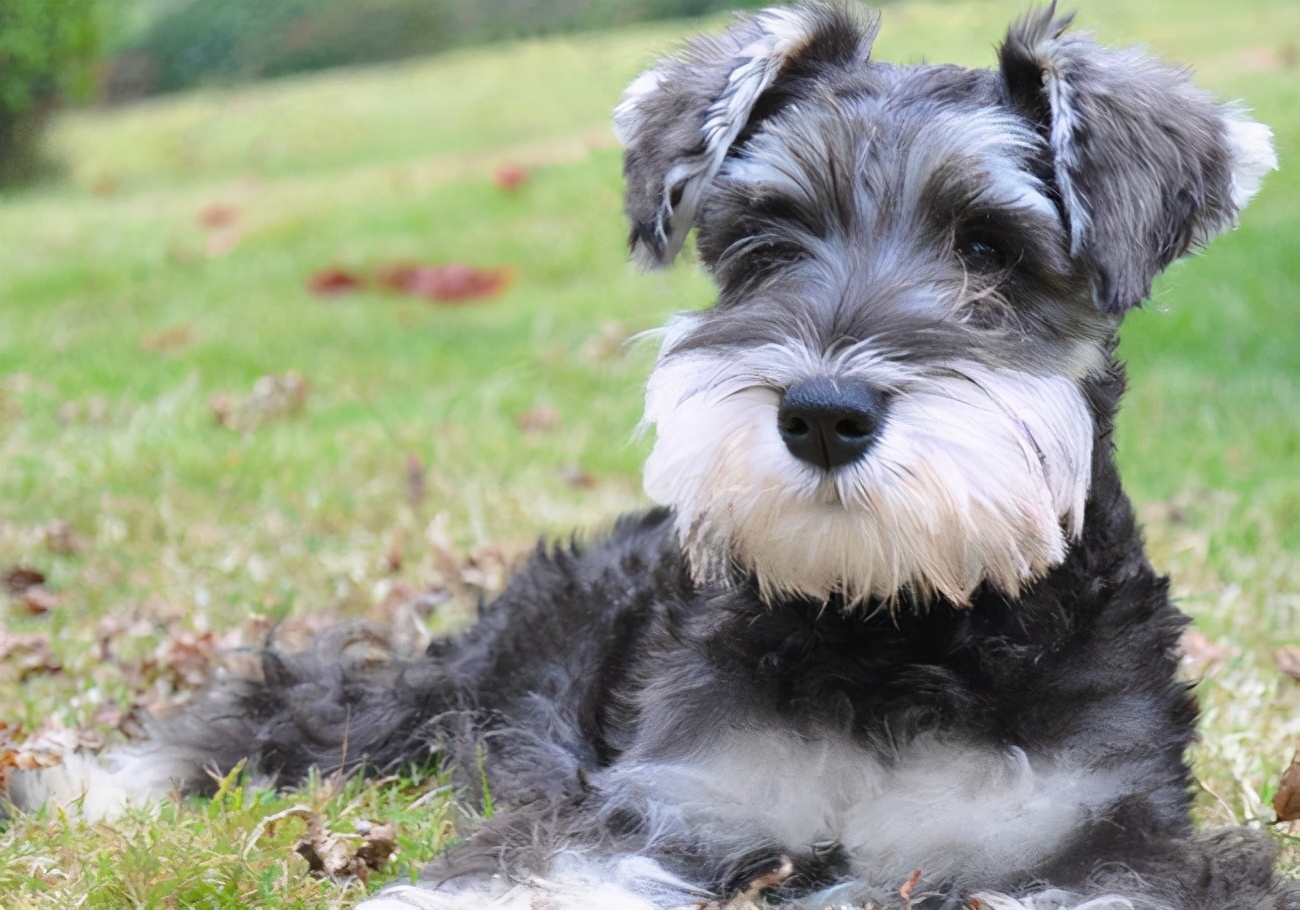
<point x="891" y="638"/>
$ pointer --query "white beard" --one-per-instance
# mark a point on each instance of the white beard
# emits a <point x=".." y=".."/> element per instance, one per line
<point x="977" y="475"/>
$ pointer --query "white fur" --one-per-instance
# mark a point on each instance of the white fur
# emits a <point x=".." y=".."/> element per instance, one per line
<point x="1251" y="147"/>
<point x="978" y="475"/>
<point x="576" y="881"/>
<point x="943" y="807"/>
<point x="101" y="787"/>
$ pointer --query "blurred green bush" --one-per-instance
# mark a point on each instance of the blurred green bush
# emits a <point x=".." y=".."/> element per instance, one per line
<point x="206" y="41"/>
<point x="47" y="52"/>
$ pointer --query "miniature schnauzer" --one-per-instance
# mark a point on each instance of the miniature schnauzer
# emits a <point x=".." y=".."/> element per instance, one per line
<point x="892" y="639"/>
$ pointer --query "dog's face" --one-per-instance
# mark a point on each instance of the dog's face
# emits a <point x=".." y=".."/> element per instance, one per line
<point x="919" y="271"/>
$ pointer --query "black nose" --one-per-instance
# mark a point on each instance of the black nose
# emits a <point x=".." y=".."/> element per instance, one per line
<point x="828" y="423"/>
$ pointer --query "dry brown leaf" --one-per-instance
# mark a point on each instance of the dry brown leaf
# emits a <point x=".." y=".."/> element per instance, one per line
<point x="38" y="600"/>
<point x="18" y="579"/>
<point x="540" y="418"/>
<point x="751" y="891"/>
<point x="187" y="658"/>
<point x="216" y="216"/>
<point x="905" y="892"/>
<point x="415" y="480"/>
<point x="26" y="653"/>
<point x="340" y="856"/>
<point x="172" y="338"/>
<point x="1286" y="801"/>
<point x="273" y="397"/>
<point x="396" y="551"/>
<point x="61" y="539"/>
<point x="1201" y="656"/>
<point x="575" y="477"/>
<point x="1288" y="660"/>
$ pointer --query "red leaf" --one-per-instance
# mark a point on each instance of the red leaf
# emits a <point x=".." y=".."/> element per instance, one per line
<point x="540" y="418"/>
<point x="329" y="282"/>
<point x="444" y="283"/>
<point x="18" y="579"/>
<point x="216" y="216"/>
<point x="509" y="177"/>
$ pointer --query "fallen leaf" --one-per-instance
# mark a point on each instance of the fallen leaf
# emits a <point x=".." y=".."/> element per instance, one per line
<point x="1286" y="801"/>
<point x="61" y="539"/>
<point x="606" y="345"/>
<point x="339" y="856"/>
<point x="18" y="579"/>
<point x="37" y="600"/>
<point x="273" y="397"/>
<point x="396" y="551"/>
<point x="187" y="657"/>
<point x="748" y="894"/>
<point x="510" y="177"/>
<point x="1202" y="656"/>
<point x="540" y="418"/>
<point x="1288" y="660"/>
<point x="26" y="654"/>
<point x="217" y="215"/>
<point x="172" y="338"/>
<point x="444" y="283"/>
<point x="905" y="892"/>
<point x="415" y="480"/>
<point x="332" y="282"/>
<point x="577" y="478"/>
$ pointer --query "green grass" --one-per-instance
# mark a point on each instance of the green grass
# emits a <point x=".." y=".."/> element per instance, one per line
<point x="189" y="527"/>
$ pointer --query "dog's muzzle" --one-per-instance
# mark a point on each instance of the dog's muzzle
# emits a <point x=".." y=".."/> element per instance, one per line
<point x="828" y="423"/>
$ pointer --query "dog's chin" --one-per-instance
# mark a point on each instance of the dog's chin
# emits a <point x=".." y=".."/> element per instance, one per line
<point x="976" y="478"/>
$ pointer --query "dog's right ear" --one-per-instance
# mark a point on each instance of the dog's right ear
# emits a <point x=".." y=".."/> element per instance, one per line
<point x="678" y="121"/>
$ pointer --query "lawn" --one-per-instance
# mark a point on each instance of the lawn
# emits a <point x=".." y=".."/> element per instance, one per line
<point x="170" y="267"/>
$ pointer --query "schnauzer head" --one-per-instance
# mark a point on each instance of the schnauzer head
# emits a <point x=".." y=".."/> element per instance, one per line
<point x="920" y="270"/>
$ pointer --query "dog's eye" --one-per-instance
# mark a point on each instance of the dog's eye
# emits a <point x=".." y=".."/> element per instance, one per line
<point x="981" y="255"/>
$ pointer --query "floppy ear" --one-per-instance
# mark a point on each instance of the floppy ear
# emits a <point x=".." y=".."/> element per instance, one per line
<point x="1147" y="166"/>
<point x="678" y="121"/>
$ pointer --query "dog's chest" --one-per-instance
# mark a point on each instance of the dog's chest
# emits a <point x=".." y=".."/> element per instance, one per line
<point x="940" y="807"/>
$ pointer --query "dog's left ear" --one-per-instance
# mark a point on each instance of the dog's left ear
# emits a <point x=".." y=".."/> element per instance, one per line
<point x="1148" y="167"/>
<point x="678" y="121"/>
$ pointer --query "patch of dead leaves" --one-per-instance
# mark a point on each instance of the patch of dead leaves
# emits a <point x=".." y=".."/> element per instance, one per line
<point x="23" y="654"/>
<point x="339" y="856"/>
<point x="274" y="397"/>
<point x="43" y="748"/>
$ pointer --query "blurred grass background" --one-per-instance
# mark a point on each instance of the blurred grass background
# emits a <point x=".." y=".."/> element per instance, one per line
<point x="168" y="263"/>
